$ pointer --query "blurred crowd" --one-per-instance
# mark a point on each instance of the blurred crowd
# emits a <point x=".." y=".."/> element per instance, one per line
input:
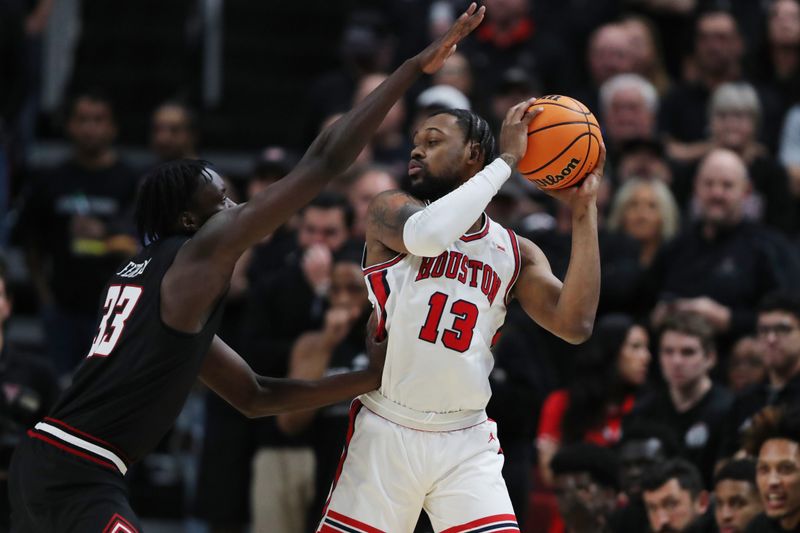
<point x="676" y="416"/>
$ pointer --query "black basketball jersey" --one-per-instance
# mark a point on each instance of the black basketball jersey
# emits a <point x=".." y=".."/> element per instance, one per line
<point x="138" y="372"/>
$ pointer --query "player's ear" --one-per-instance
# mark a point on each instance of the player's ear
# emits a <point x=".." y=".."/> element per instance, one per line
<point x="188" y="221"/>
<point x="475" y="152"/>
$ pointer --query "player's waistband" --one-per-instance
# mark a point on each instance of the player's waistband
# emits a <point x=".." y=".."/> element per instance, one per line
<point x="76" y="442"/>
<point x="421" y="420"/>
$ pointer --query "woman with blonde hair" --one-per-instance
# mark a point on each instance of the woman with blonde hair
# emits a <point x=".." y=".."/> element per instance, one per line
<point x="645" y="210"/>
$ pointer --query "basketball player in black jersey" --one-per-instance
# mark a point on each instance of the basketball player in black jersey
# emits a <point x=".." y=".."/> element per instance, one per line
<point x="156" y="330"/>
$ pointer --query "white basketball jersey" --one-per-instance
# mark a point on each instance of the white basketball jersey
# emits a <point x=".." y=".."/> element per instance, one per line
<point x="442" y="315"/>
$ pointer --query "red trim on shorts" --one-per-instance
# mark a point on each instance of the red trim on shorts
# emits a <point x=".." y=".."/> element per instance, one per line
<point x="78" y="432"/>
<point x="517" y="262"/>
<point x="118" y="520"/>
<point x="498" y="518"/>
<point x="346" y="520"/>
<point x="35" y="435"/>
<point x="355" y="408"/>
<point x="481" y="233"/>
<point x="386" y="264"/>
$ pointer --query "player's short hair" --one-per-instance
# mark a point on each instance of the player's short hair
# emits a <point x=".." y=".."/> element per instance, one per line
<point x="737" y="470"/>
<point x="693" y="325"/>
<point x="601" y="464"/>
<point x="683" y="471"/>
<point x="780" y="301"/>
<point x="475" y="129"/>
<point x="333" y="200"/>
<point x="165" y="192"/>
<point x="773" y="422"/>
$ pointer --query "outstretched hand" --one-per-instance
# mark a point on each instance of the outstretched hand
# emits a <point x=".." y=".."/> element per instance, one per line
<point x="433" y="57"/>
<point x="584" y="194"/>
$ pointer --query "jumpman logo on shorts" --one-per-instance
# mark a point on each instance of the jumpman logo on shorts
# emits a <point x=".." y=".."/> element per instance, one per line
<point x="491" y="437"/>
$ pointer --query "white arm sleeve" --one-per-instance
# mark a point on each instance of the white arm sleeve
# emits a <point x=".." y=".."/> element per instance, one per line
<point x="429" y="232"/>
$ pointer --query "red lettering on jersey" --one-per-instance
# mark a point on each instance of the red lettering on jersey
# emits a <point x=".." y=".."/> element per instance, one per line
<point x="486" y="281"/>
<point x="462" y="275"/>
<point x="424" y="268"/>
<point x="495" y="287"/>
<point x="453" y="263"/>
<point x="475" y="266"/>
<point x="438" y="266"/>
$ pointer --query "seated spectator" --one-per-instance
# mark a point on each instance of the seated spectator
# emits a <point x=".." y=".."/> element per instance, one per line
<point x="644" y="158"/>
<point x="645" y="210"/>
<point x="457" y="73"/>
<point x="789" y="149"/>
<point x="774" y="440"/>
<point x="366" y="184"/>
<point x="609" y="371"/>
<point x="586" y="482"/>
<point x="745" y="365"/>
<point x="174" y="132"/>
<point x="628" y="108"/>
<point x="779" y="61"/>
<point x="690" y="403"/>
<point x="675" y="498"/>
<point x="736" y="499"/>
<point x="645" y="43"/>
<point x="778" y="329"/>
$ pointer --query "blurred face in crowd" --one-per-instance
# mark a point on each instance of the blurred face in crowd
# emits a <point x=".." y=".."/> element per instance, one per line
<point x="91" y="126"/>
<point x="393" y="122"/>
<point x="746" y="364"/>
<point x="736" y="504"/>
<point x="634" y="357"/>
<point x="718" y="46"/>
<point x="348" y="290"/>
<point x="5" y="302"/>
<point x="641" y="218"/>
<point x="779" y="334"/>
<point x="171" y="134"/>
<point x="733" y="129"/>
<point x="642" y="45"/>
<point x="583" y="503"/>
<point x="721" y="187"/>
<point x="456" y="72"/>
<point x="644" y="164"/>
<point x="505" y="11"/>
<point x="628" y="117"/>
<point x="636" y="456"/>
<point x="778" y="478"/>
<point x="323" y="226"/>
<point x="364" y="189"/>
<point x="610" y="53"/>
<point x="683" y="360"/>
<point x="671" y="508"/>
<point x="784" y="23"/>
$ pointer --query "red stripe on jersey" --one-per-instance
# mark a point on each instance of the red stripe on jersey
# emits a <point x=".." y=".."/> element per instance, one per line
<point x="346" y="520"/>
<point x="327" y="529"/>
<point x="386" y="264"/>
<point x="481" y="234"/>
<point x="117" y="520"/>
<point x="517" y="262"/>
<point x="485" y="522"/>
<point x="80" y="433"/>
<point x="380" y="288"/>
<point x="35" y="435"/>
<point x="496" y="336"/>
<point x="355" y="407"/>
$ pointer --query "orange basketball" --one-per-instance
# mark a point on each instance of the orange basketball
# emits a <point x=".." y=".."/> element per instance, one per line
<point x="563" y="143"/>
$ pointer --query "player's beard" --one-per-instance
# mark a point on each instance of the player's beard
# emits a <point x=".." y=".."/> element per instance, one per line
<point x="431" y="188"/>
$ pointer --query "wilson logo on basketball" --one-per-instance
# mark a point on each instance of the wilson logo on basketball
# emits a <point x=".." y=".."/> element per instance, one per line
<point x="566" y="171"/>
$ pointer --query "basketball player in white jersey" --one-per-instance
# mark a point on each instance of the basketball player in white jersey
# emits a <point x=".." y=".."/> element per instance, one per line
<point x="440" y="274"/>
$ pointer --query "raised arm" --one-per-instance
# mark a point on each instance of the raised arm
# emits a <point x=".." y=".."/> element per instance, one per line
<point x="566" y="309"/>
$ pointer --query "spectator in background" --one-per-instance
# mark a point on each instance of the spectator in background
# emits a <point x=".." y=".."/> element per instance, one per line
<point x="774" y="440"/>
<point x="174" y="131"/>
<point x="586" y="482"/>
<point x="457" y="73"/>
<point x="736" y="499"/>
<point x="337" y="347"/>
<point x="690" y="403"/>
<point x="644" y="444"/>
<point x="779" y="61"/>
<point x="29" y="389"/>
<point x="645" y="210"/>
<point x="609" y="53"/>
<point x="76" y="226"/>
<point x="281" y="305"/>
<point x="628" y="105"/>
<point x="718" y="52"/>
<point x="646" y="45"/>
<point x="515" y="85"/>
<point x="607" y="375"/>
<point x="745" y="365"/>
<point x="437" y="98"/>
<point x="675" y="498"/>
<point x="644" y="158"/>
<point x="789" y="152"/>
<point x="366" y="184"/>
<point x="778" y="329"/>
<point x="721" y="265"/>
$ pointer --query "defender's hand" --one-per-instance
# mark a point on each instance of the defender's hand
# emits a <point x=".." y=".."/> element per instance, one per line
<point x="514" y="132"/>
<point x="433" y="57"/>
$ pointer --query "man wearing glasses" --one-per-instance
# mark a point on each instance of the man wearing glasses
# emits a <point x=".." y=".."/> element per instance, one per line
<point x="778" y="331"/>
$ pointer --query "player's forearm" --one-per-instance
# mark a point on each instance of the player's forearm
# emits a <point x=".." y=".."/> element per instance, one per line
<point x="577" y="303"/>
<point x="428" y="233"/>
<point x="309" y="362"/>
<point x="283" y="395"/>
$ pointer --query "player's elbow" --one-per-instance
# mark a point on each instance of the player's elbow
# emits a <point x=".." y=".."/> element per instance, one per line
<point x="577" y="333"/>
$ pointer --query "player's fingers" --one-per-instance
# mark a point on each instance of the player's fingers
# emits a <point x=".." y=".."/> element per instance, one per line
<point x="601" y="160"/>
<point x="531" y="113"/>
